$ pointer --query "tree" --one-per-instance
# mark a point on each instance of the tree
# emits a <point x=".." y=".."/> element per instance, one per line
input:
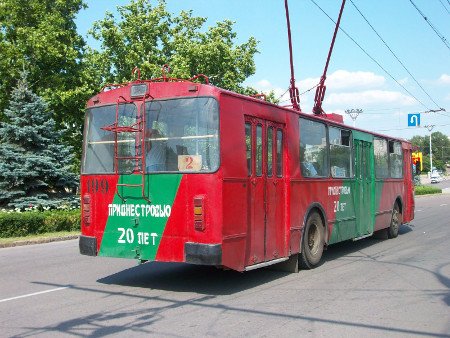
<point x="35" y="168"/>
<point x="149" y="37"/>
<point x="420" y="142"/>
<point x="440" y="145"/>
<point x="40" y="36"/>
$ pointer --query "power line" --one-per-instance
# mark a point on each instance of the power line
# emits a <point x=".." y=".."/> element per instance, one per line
<point x="444" y="6"/>
<point x="444" y="40"/>
<point x="375" y="109"/>
<point x="404" y="67"/>
<point x="302" y="93"/>
<point x="443" y="114"/>
<point x="440" y="125"/>
<point x="373" y="59"/>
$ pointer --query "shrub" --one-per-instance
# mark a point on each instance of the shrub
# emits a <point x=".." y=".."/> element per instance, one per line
<point x="425" y="190"/>
<point x="18" y="224"/>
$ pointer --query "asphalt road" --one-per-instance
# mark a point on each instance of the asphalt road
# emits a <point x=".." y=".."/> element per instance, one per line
<point x="444" y="184"/>
<point x="370" y="288"/>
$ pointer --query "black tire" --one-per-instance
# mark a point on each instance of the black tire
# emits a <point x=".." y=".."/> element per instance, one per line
<point x="396" y="221"/>
<point x="313" y="240"/>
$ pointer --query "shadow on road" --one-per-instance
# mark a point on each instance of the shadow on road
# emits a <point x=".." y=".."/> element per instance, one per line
<point x="191" y="278"/>
<point x="345" y="248"/>
<point x="209" y="280"/>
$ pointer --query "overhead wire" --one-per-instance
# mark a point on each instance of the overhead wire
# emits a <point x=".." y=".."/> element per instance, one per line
<point x="371" y="57"/>
<point x="409" y="128"/>
<point x="302" y="93"/>
<point x="392" y="52"/>
<point x="444" y="6"/>
<point x="444" y="40"/>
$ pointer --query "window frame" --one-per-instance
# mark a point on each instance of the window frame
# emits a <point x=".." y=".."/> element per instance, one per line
<point x="326" y="160"/>
<point x="377" y="167"/>
<point x="350" y="148"/>
<point x="390" y="153"/>
<point x="141" y="105"/>
<point x="279" y="155"/>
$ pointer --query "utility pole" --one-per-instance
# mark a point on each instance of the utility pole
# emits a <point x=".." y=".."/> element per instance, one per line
<point x="353" y="113"/>
<point x="430" y="128"/>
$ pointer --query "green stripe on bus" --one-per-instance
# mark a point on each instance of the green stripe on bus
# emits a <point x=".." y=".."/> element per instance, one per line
<point x="134" y="228"/>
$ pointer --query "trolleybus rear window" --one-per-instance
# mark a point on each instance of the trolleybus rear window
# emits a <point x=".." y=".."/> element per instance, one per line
<point x="180" y="135"/>
<point x="100" y="140"/>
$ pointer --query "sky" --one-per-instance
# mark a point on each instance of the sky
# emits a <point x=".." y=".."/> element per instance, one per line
<point x="385" y="92"/>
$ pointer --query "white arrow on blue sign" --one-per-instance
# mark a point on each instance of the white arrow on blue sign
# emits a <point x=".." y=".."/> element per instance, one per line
<point x="414" y="120"/>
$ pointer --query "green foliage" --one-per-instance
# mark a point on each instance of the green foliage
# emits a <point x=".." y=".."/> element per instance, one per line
<point x="426" y="189"/>
<point x="270" y="97"/>
<point x="440" y="146"/>
<point x="148" y="37"/>
<point x="15" y="224"/>
<point x="35" y="168"/>
<point x="40" y="36"/>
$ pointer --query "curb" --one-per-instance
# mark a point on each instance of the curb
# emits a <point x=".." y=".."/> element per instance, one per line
<point x="38" y="241"/>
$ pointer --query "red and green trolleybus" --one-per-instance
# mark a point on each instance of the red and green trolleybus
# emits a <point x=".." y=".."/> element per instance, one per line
<point x="182" y="171"/>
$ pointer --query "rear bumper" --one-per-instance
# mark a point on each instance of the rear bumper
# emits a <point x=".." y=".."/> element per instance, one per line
<point x="203" y="254"/>
<point x="88" y="245"/>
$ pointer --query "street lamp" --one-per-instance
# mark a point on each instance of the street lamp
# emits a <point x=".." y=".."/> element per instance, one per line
<point x="353" y="113"/>
<point x="430" y="128"/>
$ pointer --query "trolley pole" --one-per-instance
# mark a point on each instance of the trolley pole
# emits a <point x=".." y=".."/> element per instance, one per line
<point x="430" y="128"/>
<point x="353" y="113"/>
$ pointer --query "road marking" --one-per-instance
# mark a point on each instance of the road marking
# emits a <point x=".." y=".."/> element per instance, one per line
<point x="443" y="205"/>
<point x="418" y="210"/>
<point x="32" y="294"/>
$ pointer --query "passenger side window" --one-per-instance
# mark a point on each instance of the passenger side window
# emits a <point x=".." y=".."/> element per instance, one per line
<point x="248" y="147"/>
<point x="259" y="150"/>
<point x="279" y="153"/>
<point x="340" y="153"/>
<point x="395" y="159"/>
<point x="313" y="148"/>
<point x="270" y="154"/>
<point x="381" y="158"/>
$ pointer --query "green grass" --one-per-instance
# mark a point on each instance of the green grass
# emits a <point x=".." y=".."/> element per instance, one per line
<point x="426" y="190"/>
<point x="38" y="237"/>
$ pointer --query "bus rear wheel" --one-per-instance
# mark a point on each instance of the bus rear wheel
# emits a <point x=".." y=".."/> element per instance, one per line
<point x="312" y="241"/>
<point x="396" y="221"/>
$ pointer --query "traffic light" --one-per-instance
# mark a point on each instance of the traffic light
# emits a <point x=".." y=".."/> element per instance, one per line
<point x="417" y="161"/>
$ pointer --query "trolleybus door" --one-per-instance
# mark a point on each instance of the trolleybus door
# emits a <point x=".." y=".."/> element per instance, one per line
<point x="364" y="188"/>
<point x="275" y="239"/>
<point x="265" y="200"/>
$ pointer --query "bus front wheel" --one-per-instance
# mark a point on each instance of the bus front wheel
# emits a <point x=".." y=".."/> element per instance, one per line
<point x="313" y="240"/>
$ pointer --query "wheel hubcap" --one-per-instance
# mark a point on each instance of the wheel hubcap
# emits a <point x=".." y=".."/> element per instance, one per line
<point x="395" y="220"/>
<point x="313" y="239"/>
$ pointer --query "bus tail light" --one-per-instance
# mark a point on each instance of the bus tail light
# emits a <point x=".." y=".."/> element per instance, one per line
<point x="199" y="213"/>
<point x="86" y="210"/>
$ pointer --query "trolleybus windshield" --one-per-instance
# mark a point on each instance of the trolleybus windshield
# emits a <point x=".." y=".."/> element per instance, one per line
<point x="180" y="135"/>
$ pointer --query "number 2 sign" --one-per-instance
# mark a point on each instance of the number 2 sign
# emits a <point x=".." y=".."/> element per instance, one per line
<point x="189" y="162"/>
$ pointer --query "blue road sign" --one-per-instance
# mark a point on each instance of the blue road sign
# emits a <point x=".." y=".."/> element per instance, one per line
<point x="414" y="120"/>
